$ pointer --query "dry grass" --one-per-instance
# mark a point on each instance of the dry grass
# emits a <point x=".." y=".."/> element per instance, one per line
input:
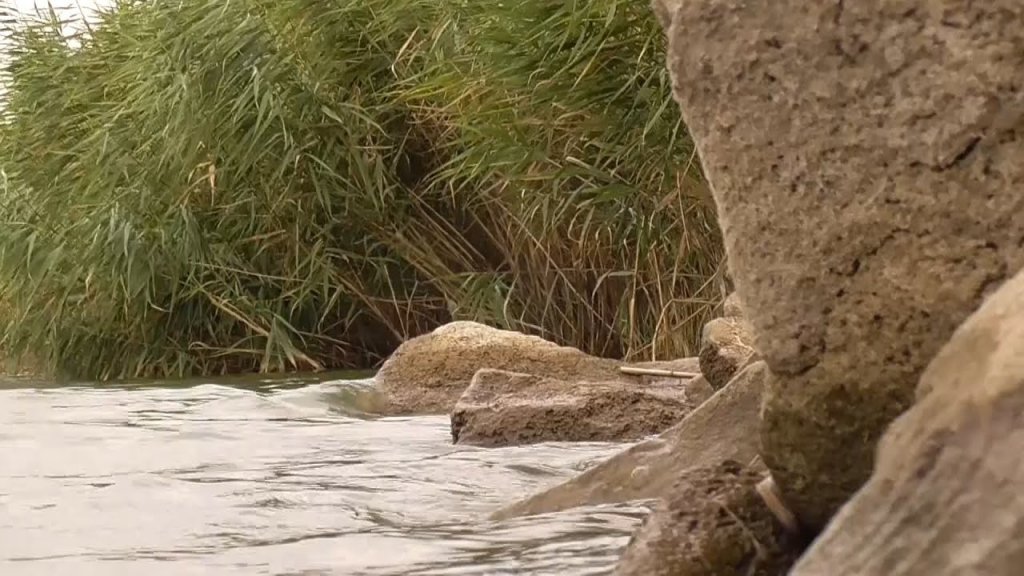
<point x="202" y="186"/>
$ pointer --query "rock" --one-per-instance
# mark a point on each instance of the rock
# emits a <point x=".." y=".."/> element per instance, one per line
<point x="724" y="349"/>
<point x="722" y="428"/>
<point x="865" y="159"/>
<point x="945" y="498"/>
<point x="732" y="307"/>
<point x="712" y="523"/>
<point x="427" y="374"/>
<point x="501" y="408"/>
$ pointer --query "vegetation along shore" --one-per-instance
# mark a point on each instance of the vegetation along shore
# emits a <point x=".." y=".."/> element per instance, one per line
<point x="198" y="187"/>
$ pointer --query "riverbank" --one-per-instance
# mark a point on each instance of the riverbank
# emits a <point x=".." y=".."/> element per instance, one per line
<point x="882" y="286"/>
<point x="514" y="163"/>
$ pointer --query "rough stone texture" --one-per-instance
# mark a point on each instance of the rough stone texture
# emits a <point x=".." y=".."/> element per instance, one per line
<point x="732" y="306"/>
<point x="713" y="523"/>
<point x="724" y="349"/>
<point x="427" y="374"/>
<point x="945" y="498"/>
<point x="865" y="158"/>
<point x="501" y="408"/>
<point x="722" y="428"/>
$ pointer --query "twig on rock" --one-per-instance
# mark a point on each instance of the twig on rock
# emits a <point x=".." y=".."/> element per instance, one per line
<point x="633" y="370"/>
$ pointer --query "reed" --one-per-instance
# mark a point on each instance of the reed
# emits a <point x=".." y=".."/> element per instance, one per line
<point x="200" y="186"/>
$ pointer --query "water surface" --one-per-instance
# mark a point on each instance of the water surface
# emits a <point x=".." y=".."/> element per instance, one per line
<point x="278" y="476"/>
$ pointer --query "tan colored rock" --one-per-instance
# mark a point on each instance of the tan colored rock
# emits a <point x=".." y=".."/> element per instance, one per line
<point x="712" y="523"/>
<point x="722" y="428"/>
<point x="501" y="408"/>
<point x="865" y="158"/>
<point x="945" y="498"/>
<point x="732" y="307"/>
<point x="724" y="349"/>
<point x="427" y="374"/>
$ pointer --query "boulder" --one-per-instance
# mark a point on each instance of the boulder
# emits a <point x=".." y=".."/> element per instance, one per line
<point x="722" y="428"/>
<point x="712" y="523"/>
<point x="724" y="349"/>
<point x="428" y="374"/>
<point x="865" y="159"/>
<point x="945" y="497"/>
<point x="501" y="408"/>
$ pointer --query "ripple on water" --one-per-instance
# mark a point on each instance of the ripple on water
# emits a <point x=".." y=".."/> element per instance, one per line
<point x="276" y="478"/>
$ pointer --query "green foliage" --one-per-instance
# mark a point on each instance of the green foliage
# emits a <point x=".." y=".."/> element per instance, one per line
<point x="204" y="186"/>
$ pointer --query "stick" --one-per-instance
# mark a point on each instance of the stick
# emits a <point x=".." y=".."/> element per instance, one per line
<point x="769" y="492"/>
<point x="657" y="372"/>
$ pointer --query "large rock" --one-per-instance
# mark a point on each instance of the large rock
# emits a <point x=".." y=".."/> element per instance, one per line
<point x="501" y="408"/>
<point x="865" y="159"/>
<point x="712" y="523"/>
<point x="945" y="498"/>
<point x="427" y="374"/>
<point x="722" y="428"/>
<point x="724" y="349"/>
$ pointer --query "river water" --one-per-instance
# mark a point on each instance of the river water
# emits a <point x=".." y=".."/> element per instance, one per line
<point x="275" y="476"/>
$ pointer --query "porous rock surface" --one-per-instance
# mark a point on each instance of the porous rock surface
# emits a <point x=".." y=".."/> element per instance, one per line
<point x="945" y="498"/>
<point x="865" y="159"/>
<point x="501" y="408"/>
<point x="712" y="523"/>
<point x="428" y="374"/>
<point x="732" y="306"/>
<point x="723" y="428"/>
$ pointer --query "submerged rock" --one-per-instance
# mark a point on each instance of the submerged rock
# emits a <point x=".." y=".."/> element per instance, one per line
<point x="501" y="408"/>
<point x="712" y="523"/>
<point x="724" y="349"/>
<point x="722" y="428"/>
<point x="428" y="374"/>
<point x="945" y="497"/>
<point x="865" y="159"/>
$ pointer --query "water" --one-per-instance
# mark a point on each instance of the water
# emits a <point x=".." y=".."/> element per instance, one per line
<point x="282" y="477"/>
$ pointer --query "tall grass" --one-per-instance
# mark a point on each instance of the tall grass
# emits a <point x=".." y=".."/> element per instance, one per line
<point x="202" y="186"/>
